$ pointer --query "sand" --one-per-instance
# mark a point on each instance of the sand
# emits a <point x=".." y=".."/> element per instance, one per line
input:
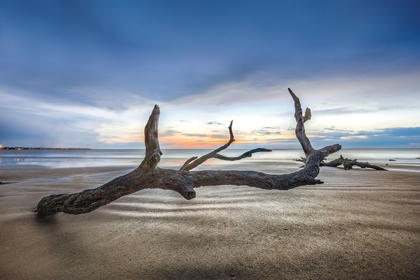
<point x="360" y="224"/>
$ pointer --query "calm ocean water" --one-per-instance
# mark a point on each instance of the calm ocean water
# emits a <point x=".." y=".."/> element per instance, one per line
<point x="175" y="158"/>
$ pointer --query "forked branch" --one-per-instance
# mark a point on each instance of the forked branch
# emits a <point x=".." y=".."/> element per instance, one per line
<point x="195" y="161"/>
<point x="191" y="163"/>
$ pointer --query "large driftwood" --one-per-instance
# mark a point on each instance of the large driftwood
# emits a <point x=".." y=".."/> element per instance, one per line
<point x="346" y="162"/>
<point x="148" y="175"/>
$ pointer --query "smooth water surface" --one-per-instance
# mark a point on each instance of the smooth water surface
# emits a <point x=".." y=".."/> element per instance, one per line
<point x="175" y="158"/>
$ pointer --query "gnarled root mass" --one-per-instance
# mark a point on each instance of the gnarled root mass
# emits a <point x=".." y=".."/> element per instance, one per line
<point x="184" y="181"/>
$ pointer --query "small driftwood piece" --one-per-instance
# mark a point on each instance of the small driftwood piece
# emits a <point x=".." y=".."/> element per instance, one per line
<point x="148" y="175"/>
<point x="347" y="163"/>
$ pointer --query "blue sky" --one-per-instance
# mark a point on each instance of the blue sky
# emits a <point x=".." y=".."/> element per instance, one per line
<point x="87" y="73"/>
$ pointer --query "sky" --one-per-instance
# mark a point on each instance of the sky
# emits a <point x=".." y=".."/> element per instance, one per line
<point x="88" y="73"/>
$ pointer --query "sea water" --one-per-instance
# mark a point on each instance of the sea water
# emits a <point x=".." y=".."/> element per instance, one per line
<point x="174" y="158"/>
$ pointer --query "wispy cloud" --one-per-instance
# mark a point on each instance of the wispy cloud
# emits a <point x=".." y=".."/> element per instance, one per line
<point x="195" y="135"/>
<point x="359" y="110"/>
<point x="214" y="123"/>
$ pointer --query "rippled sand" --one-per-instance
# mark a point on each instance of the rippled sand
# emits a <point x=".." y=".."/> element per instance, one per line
<point x="360" y="224"/>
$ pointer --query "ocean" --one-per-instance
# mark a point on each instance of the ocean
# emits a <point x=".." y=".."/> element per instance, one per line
<point x="405" y="159"/>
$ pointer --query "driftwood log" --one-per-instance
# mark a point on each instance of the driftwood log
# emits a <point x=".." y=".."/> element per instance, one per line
<point x="148" y="175"/>
<point x="346" y="162"/>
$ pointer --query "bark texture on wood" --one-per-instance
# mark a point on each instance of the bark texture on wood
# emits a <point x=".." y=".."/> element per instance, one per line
<point x="183" y="181"/>
<point x="300" y="128"/>
<point x="151" y="141"/>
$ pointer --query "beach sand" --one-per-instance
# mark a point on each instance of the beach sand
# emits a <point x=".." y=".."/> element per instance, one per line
<point x="360" y="224"/>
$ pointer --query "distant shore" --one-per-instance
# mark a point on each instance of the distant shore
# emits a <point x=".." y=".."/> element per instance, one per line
<point x="39" y="148"/>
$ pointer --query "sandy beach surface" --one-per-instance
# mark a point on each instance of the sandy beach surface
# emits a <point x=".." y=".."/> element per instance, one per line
<point x="360" y="224"/>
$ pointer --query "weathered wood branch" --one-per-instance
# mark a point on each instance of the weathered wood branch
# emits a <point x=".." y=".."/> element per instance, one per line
<point x="195" y="161"/>
<point x="187" y="162"/>
<point x="300" y="128"/>
<point x="147" y="175"/>
<point x="334" y="163"/>
<point x="191" y="164"/>
<point x="301" y="159"/>
<point x="151" y="141"/>
<point x="347" y="163"/>
<point x="222" y="157"/>
<point x="244" y="155"/>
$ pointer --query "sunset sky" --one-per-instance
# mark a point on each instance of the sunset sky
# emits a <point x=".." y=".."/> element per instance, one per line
<point x="87" y="73"/>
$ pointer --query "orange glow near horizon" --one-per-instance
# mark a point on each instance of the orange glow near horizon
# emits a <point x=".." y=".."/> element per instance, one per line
<point x="197" y="139"/>
<point x="184" y="142"/>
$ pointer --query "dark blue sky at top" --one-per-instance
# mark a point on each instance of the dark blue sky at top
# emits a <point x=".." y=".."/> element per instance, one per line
<point x="170" y="49"/>
<point x="174" y="48"/>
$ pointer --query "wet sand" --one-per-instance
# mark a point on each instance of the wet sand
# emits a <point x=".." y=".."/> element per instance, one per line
<point x="360" y="224"/>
